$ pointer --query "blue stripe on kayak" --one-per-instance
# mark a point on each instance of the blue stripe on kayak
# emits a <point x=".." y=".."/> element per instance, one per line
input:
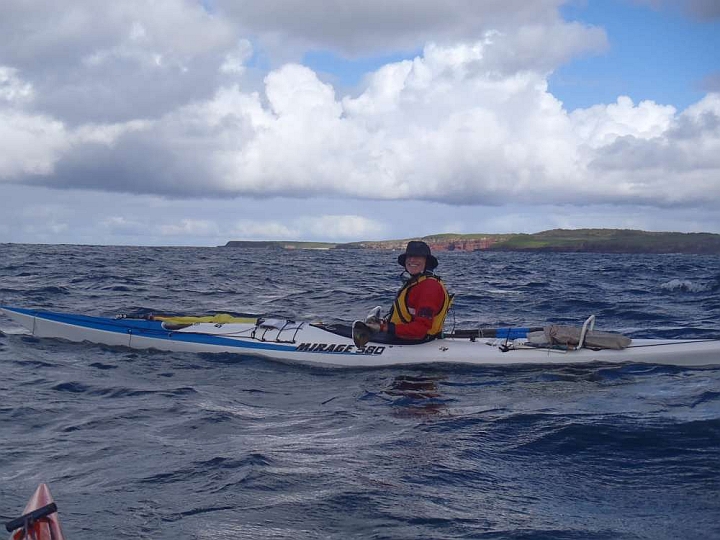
<point x="512" y="332"/>
<point x="150" y="329"/>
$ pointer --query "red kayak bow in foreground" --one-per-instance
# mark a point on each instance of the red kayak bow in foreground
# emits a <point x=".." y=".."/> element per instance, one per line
<point x="39" y="520"/>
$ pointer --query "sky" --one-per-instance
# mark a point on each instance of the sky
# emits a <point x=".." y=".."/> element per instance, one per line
<point x="196" y="122"/>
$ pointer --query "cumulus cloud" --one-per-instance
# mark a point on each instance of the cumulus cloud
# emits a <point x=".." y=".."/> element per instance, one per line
<point x="469" y="120"/>
<point x="126" y="60"/>
<point x="13" y="90"/>
<point x="445" y="126"/>
<point x="600" y="125"/>
<point x="36" y="32"/>
<point x="117" y="61"/>
<point x="32" y="144"/>
<point x="685" y="154"/>
<point x="236" y="59"/>
<point x="372" y="26"/>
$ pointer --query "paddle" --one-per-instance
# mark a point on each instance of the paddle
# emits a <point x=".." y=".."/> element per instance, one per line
<point x="509" y="332"/>
<point x="27" y="520"/>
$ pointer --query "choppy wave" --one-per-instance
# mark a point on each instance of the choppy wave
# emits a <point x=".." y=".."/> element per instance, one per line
<point x="176" y="445"/>
<point x="686" y="286"/>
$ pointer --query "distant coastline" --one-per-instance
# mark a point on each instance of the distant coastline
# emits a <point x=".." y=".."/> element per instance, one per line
<point x="556" y="240"/>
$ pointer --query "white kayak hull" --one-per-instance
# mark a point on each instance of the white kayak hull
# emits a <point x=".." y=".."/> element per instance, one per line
<point x="308" y="344"/>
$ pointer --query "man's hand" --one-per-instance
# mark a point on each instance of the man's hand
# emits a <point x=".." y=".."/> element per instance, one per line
<point x="373" y="325"/>
<point x="379" y="325"/>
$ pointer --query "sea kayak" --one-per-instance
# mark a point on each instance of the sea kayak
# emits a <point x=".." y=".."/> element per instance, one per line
<point x="332" y="344"/>
<point x="39" y="520"/>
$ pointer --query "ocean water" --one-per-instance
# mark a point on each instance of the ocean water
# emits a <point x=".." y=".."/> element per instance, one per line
<point x="142" y="444"/>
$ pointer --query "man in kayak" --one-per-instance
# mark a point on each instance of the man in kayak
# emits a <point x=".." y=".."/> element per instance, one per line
<point x="419" y="310"/>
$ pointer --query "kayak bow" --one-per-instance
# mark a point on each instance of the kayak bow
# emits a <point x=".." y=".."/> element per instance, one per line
<point x="39" y="520"/>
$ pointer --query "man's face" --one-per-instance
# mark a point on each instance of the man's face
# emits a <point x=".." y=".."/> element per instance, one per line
<point x="415" y="264"/>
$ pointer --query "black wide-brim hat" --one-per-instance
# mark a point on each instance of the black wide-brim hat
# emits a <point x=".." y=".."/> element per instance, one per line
<point x="416" y="248"/>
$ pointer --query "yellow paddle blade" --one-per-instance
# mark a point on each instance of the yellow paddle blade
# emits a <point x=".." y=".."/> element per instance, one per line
<point x="220" y="318"/>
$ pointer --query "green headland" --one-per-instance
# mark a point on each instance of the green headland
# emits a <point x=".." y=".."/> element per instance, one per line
<point x="556" y="240"/>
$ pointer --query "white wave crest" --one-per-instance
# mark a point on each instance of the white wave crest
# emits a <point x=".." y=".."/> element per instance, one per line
<point x="684" y="285"/>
